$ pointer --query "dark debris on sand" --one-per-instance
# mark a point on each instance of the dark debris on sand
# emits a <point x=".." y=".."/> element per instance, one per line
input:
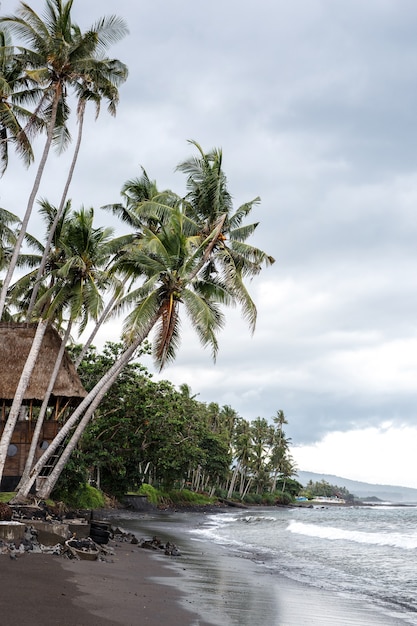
<point x="40" y="512"/>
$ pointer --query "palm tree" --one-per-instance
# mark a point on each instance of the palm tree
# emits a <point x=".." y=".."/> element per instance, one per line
<point x="208" y="208"/>
<point x="242" y="448"/>
<point x="261" y="433"/>
<point x="209" y="203"/>
<point x="60" y="58"/>
<point x="100" y="82"/>
<point x="280" y="458"/>
<point x="77" y="260"/>
<point x="175" y="255"/>
<point x="21" y="292"/>
<point x="11" y="113"/>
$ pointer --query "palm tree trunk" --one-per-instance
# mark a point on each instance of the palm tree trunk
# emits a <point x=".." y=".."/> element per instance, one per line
<point x="58" y="215"/>
<point x="233" y="481"/>
<point x="39" y="422"/>
<point x="20" y="392"/>
<point x="274" y="482"/>
<point x="248" y="485"/>
<point x="98" y="391"/>
<point x="31" y="202"/>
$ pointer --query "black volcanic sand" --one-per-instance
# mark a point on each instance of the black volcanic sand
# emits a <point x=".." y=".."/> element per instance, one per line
<point x="45" y="590"/>
<point x="206" y="585"/>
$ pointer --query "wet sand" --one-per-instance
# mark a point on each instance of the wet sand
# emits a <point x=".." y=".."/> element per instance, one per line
<point x="204" y="586"/>
<point x="45" y="590"/>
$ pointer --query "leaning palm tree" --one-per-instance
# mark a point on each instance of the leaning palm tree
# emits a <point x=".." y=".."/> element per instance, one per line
<point x="175" y="257"/>
<point x="59" y="58"/>
<point x="209" y="204"/>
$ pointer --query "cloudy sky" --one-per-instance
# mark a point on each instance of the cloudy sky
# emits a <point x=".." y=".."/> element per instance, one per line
<point x="314" y="104"/>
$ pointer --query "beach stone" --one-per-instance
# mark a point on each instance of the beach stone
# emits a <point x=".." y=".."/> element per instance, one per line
<point x="50" y="533"/>
<point x="12" y="531"/>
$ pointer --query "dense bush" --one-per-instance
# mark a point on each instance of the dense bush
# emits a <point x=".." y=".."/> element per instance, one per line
<point x="177" y="497"/>
<point x="84" y="497"/>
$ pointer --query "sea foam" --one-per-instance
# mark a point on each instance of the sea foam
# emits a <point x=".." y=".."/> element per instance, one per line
<point x="399" y="540"/>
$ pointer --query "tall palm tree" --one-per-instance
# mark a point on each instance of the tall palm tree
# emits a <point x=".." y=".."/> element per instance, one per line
<point x="81" y="279"/>
<point x="60" y="58"/>
<point x="261" y="433"/>
<point x="208" y="208"/>
<point x="243" y="452"/>
<point x="101" y="82"/>
<point x="280" y="447"/>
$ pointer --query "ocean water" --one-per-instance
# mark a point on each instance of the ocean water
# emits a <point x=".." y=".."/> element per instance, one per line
<point x="367" y="552"/>
<point x="365" y="556"/>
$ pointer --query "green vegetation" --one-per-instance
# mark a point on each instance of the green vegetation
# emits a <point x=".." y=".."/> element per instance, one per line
<point x="149" y="437"/>
<point x="325" y="489"/>
<point x="84" y="497"/>
<point x="6" y="496"/>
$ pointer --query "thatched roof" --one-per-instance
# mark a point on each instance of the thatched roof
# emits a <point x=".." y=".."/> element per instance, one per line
<point x="15" y="342"/>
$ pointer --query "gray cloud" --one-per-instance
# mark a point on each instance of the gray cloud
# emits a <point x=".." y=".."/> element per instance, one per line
<point x="313" y="103"/>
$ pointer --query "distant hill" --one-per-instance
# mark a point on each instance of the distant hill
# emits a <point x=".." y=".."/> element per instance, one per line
<point x="388" y="493"/>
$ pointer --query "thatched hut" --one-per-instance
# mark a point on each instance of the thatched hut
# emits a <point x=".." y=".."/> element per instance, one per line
<point x="15" y="342"/>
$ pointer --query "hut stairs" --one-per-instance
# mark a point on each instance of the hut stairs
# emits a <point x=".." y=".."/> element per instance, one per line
<point x="49" y="466"/>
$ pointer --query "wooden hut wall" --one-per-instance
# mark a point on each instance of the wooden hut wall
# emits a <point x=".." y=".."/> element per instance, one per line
<point x="22" y="437"/>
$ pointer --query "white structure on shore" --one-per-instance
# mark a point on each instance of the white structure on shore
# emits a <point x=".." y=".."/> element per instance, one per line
<point x="328" y="500"/>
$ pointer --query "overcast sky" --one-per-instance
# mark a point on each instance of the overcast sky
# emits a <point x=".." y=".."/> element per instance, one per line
<point x="314" y="104"/>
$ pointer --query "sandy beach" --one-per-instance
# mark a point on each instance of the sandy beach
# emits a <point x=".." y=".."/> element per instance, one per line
<point x="39" y="589"/>
<point x="136" y="586"/>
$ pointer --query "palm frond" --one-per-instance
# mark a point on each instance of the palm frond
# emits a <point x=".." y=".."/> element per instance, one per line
<point x="167" y="336"/>
<point x="205" y="317"/>
<point x="146" y="312"/>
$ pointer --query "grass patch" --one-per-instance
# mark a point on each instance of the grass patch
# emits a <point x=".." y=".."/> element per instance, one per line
<point x="6" y="496"/>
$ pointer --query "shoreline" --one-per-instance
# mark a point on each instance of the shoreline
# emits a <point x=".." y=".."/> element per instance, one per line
<point x="231" y="589"/>
<point x="206" y="586"/>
